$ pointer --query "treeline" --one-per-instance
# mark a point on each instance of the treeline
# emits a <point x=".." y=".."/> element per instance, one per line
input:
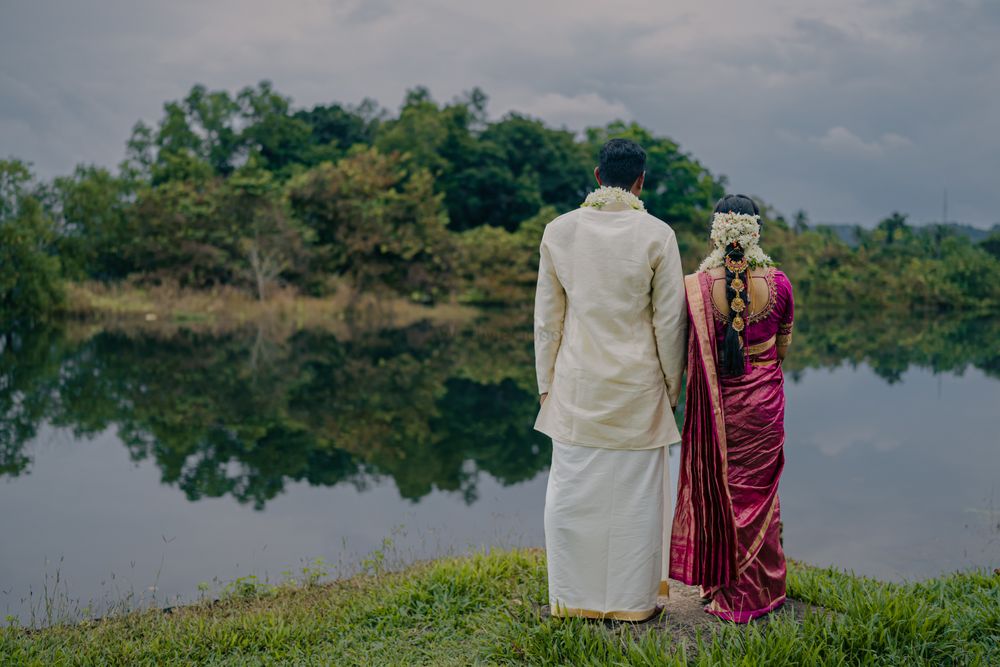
<point x="435" y="201"/>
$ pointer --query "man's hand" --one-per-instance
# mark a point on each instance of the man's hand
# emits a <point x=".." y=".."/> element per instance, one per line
<point x="541" y="399"/>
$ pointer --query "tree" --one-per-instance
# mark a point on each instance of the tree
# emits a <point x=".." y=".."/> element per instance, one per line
<point x="270" y="132"/>
<point x="90" y="209"/>
<point x="270" y="243"/>
<point x="497" y="266"/>
<point x="334" y="129"/>
<point x="552" y="160"/>
<point x="137" y="167"/>
<point x="377" y="222"/>
<point x="30" y="272"/>
<point x="991" y="244"/>
<point x="892" y="227"/>
<point x="178" y="235"/>
<point x="801" y="221"/>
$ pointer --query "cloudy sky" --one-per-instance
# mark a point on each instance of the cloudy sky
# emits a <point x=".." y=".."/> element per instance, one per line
<point x="847" y="109"/>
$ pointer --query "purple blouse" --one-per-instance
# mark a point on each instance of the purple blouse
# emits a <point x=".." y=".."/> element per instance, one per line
<point x="774" y="320"/>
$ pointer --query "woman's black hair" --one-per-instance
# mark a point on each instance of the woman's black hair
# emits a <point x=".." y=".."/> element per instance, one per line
<point x="731" y="359"/>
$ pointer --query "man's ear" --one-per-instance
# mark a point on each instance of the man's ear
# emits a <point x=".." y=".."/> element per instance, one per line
<point x="637" y="186"/>
<point x="597" y="175"/>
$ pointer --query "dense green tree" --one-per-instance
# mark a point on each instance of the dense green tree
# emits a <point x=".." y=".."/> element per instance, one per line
<point x="490" y="173"/>
<point x="236" y="231"/>
<point x="178" y="235"/>
<point x="271" y="133"/>
<point x="497" y="266"/>
<point x="892" y="228"/>
<point x="801" y="221"/>
<point x="551" y="161"/>
<point x="30" y="272"/>
<point x="335" y="129"/>
<point x="91" y="208"/>
<point x="377" y="222"/>
<point x="991" y="244"/>
<point x="270" y="243"/>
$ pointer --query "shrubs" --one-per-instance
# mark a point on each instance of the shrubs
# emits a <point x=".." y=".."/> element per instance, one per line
<point x="30" y="273"/>
<point x="377" y="223"/>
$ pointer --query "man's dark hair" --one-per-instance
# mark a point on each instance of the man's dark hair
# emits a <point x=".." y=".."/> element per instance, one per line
<point x="621" y="163"/>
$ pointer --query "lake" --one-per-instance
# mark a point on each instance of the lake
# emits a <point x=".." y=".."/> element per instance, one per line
<point x="150" y="464"/>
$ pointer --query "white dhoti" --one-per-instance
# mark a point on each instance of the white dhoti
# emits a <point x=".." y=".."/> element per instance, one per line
<point x="606" y="514"/>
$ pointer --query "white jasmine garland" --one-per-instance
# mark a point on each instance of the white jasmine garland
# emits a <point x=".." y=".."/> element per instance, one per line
<point x="604" y="195"/>
<point x="739" y="228"/>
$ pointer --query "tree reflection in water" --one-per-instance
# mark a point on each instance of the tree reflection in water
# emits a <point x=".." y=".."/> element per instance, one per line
<point x="431" y="406"/>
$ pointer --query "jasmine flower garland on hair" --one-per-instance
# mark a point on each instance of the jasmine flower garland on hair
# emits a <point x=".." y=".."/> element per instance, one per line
<point x="740" y="229"/>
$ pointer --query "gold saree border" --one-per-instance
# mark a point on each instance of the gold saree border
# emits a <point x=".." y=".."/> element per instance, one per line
<point x="762" y="347"/>
<point x="696" y="302"/>
<point x="759" y="540"/>
<point x="664" y="588"/>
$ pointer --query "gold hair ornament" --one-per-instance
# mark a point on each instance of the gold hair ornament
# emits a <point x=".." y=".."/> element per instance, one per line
<point x="737" y="266"/>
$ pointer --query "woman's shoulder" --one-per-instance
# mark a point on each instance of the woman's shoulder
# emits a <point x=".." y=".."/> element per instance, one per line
<point x="781" y="276"/>
<point x="714" y="273"/>
<point x="782" y="282"/>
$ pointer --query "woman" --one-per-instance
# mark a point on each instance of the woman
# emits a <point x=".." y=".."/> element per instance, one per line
<point x="726" y="530"/>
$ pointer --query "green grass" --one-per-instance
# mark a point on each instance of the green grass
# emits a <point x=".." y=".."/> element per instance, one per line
<point x="484" y="609"/>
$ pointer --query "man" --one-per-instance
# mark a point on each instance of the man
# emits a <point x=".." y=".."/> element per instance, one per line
<point x="610" y="348"/>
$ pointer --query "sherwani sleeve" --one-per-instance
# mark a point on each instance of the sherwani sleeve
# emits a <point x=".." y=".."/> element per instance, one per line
<point x="670" y="322"/>
<point x="550" y="311"/>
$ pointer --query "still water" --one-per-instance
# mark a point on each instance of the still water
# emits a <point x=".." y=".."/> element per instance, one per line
<point x="136" y="464"/>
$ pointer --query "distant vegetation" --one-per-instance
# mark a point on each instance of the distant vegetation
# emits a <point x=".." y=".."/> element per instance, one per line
<point x="435" y="202"/>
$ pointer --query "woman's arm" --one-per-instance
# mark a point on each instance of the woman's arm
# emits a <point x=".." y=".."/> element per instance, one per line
<point x="785" y="325"/>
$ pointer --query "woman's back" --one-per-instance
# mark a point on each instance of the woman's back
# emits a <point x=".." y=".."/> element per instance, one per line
<point x="771" y="311"/>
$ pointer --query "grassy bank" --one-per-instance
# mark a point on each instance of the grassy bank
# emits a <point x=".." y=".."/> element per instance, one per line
<point x="165" y="308"/>
<point x="487" y="609"/>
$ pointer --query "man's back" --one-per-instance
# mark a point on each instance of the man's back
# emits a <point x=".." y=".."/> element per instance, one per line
<point x="610" y="325"/>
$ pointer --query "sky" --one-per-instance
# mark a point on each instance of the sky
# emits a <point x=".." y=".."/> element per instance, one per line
<point x="848" y="110"/>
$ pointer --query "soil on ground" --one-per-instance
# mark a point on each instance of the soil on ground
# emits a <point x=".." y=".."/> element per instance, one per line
<point x="684" y="615"/>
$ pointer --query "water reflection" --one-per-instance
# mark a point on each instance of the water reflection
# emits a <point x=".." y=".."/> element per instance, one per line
<point x="240" y="415"/>
<point x="244" y="413"/>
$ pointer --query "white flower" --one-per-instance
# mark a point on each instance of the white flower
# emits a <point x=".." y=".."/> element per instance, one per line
<point x="604" y="195"/>
<point x="740" y="229"/>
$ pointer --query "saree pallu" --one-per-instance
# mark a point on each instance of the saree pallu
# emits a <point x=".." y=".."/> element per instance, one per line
<point x="726" y="524"/>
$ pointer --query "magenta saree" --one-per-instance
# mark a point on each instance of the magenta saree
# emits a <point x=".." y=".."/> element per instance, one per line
<point x="726" y="528"/>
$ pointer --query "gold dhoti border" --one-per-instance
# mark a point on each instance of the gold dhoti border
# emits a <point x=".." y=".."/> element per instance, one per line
<point x="560" y="611"/>
<point x="571" y="612"/>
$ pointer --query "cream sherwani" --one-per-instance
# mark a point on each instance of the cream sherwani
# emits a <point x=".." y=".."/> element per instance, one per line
<point x="610" y="349"/>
